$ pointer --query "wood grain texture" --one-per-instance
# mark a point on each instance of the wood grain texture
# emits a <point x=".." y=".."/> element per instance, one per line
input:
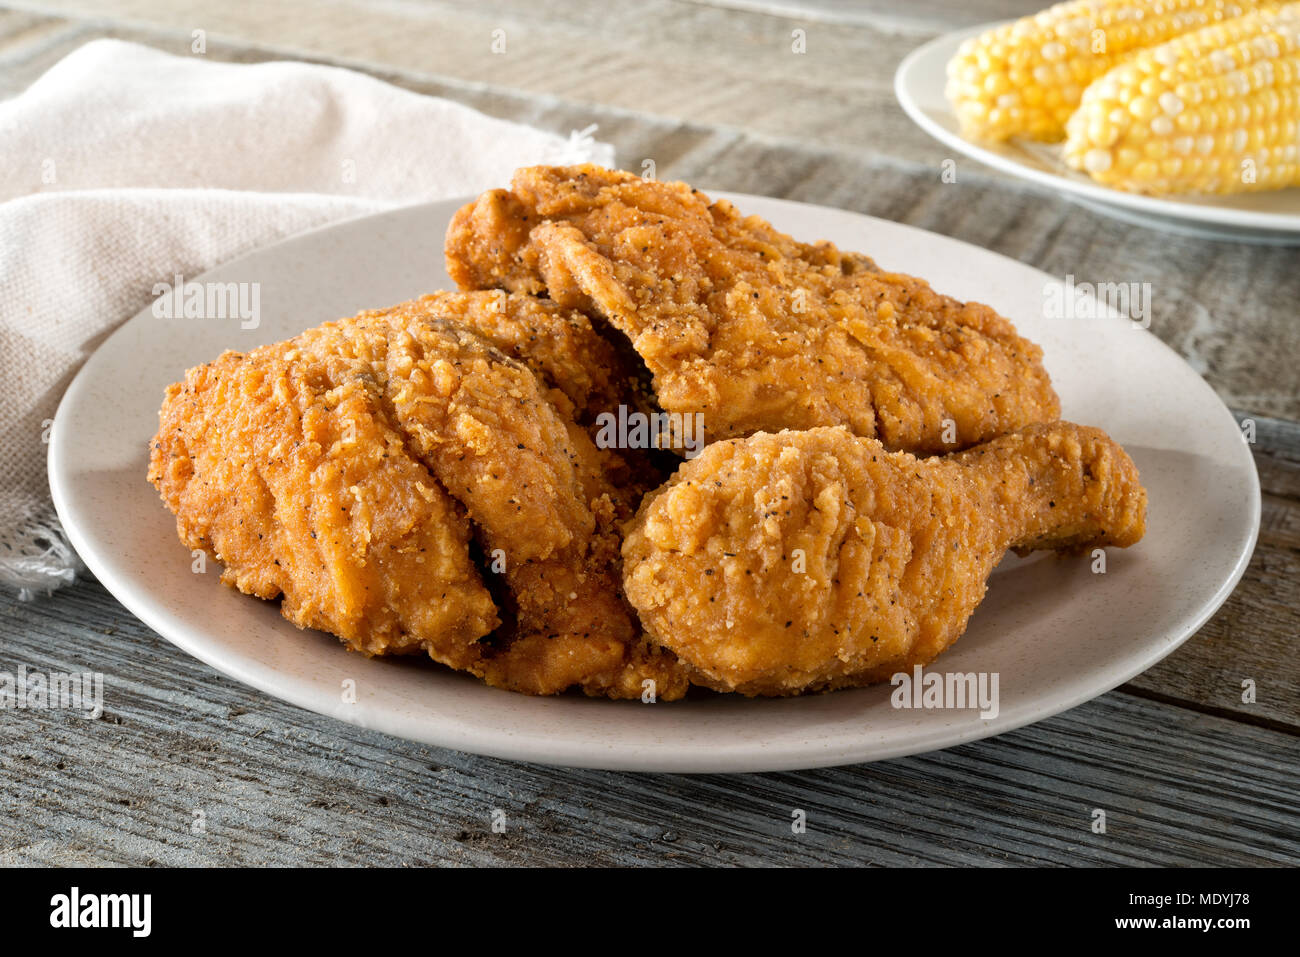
<point x="1192" y="777"/>
<point x="1254" y="635"/>
<point x="715" y="95"/>
<point x="883" y="14"/>
<point x="277" y="785"/>
<point x="1187" y="772"/>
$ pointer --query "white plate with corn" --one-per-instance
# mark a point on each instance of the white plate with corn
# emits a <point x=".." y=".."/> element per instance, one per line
<point x="1179" y="114"/>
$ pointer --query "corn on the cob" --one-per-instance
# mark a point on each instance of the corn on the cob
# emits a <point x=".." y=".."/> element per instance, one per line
<point x="1026" y="78"/>
<point x="1214" y="111"/>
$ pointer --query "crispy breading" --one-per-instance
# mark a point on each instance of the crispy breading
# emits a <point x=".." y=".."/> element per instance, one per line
<point x="484" y="425"/>
<point x="433" y="476"/>
<point x="584" y="372"/>
<point x="804" y="561"/>
<point x="743" y="324"/>
<point x="361" y="446"/>
<point x="285" y="465"/>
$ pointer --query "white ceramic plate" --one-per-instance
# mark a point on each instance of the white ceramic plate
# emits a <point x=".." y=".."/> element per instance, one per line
<point x="1056" y="633"/>
<point x="1264" y="217"/>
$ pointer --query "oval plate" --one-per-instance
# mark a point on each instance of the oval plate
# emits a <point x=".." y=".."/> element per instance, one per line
<point x="1271" y="217"/>
<point x="1055" y="633"/>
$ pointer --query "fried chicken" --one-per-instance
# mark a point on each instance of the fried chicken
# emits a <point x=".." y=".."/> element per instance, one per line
<point x="746" y="326"/>
<point x="435" y="478"/>
<point x="804" y="561"/>
<point x="543" y="507"/>
<point x="584" y="373"/>
<point x="358" y="468"/>
<point x="286" y="465"/>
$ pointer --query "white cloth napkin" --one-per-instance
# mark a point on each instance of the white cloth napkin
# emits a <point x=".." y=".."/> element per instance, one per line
<point x="123" y="166"/>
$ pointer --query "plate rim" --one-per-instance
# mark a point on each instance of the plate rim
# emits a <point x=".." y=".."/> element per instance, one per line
<point x="1277" y="228"/>
<point x="566" y="752"/>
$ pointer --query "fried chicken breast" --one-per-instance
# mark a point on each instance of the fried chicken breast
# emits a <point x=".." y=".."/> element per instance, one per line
<point x="746" y="326"/>
<point x="803" y="561"/>
<point x="357" y="468"/>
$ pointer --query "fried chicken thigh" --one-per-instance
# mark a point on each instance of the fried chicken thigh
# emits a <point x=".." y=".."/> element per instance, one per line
<point x="803" y="561"/>
<point x="746" y="326"/>
<point x="583" y="373"/>
<point x="286" y="466"/>
<point x="540" y="500"/>
<point x="357" y="468"/>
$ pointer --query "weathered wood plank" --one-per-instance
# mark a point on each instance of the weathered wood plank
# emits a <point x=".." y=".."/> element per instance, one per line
<point x="1254" y="635"/>
<point x="717" y="66"/>
<point x="881" y="14"/>
<point x="704" y="93"/>
<point x="1186" y="771"/>
<point x="277" y="785"/>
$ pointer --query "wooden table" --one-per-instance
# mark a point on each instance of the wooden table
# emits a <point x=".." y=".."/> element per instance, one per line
<point x="1187" y="772"/>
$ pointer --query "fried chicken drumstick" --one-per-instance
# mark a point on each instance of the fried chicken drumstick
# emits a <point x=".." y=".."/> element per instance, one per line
<point x="804" y="561"/>
<point x="350" y="469"/>
<point x="741" y="323"/>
